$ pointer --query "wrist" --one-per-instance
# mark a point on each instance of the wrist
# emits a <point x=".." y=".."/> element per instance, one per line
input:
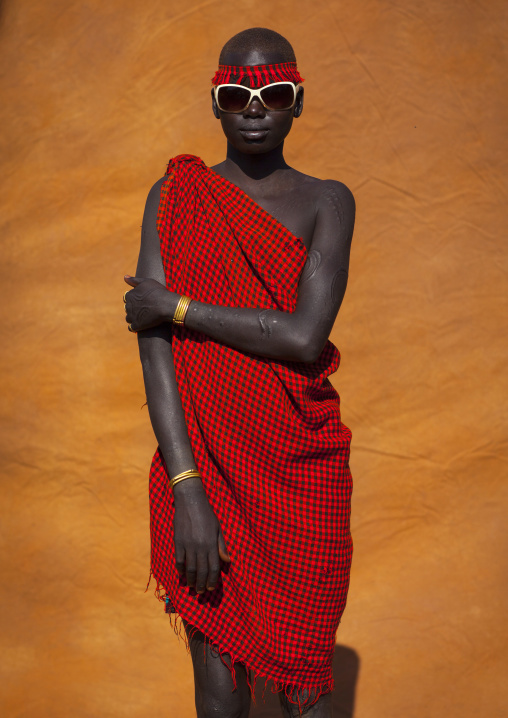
<point x="185" y="491"/>
<point x="169" y="305"/>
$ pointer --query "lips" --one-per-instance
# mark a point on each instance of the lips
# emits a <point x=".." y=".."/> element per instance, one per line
<point x="253" y="133"/>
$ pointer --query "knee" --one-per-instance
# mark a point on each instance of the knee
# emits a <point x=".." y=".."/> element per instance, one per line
<point x="231" y="705"/>
<point x="217" y="700"/>
<point x="305" y="703"/>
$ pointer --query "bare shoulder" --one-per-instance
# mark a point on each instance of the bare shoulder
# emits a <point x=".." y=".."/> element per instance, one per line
<point x="333" y="205"/>
<point x="332" y="196"/>
<point x="333" y="191"/>
<point x="334" y="211"/>
<point x="324" y="193"/>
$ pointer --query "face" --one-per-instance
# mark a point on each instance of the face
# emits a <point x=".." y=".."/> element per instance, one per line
<point x="257" y="130"/>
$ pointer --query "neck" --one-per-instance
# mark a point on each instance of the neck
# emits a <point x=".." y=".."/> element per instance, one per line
<point x="256" y="167"/>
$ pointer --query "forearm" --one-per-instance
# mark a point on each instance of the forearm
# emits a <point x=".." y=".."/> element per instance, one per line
<point x="266" y="332"/>
<point x="163" y="398"/>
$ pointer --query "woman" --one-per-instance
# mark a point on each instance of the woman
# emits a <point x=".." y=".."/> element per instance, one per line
<point x="241" y="273"/>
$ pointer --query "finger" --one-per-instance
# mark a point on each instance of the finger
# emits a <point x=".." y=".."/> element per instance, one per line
<point x="190" y="568"/>
<point x="213" y="569"/>
<point x="202" y="572"/>
<point x="223" y="552"/>
<point x="130" y="321"/>
<point x="180" y="559"/>
<point x="130" y="324"/>
<point x="133" y="281"/>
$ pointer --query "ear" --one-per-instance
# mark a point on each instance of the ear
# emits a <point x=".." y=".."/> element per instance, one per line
<point x="299" y="103"/>
<point x="215" y="109"/>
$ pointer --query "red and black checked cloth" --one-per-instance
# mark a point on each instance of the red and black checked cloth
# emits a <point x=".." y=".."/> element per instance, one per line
<point x="257" y="75"/>
<point x="267" y="438"/>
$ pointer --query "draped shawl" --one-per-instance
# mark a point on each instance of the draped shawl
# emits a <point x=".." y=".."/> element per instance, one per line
<point x="267" y="438"/>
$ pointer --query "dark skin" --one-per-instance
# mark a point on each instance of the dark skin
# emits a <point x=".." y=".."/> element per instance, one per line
<point x="322" y="213"/>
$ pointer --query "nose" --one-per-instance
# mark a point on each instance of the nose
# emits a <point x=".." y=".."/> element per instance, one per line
<point x="255" y="109"/>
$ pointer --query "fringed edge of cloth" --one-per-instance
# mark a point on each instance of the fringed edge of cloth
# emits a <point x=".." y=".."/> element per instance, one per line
<point x="176" y="622"/>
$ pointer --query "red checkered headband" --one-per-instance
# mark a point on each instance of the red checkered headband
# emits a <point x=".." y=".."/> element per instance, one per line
<point x="276" y="86"/>
<point x="257" y="75"/>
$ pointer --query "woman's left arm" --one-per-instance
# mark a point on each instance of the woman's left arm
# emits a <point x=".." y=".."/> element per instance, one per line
<point x="291" y="336"/>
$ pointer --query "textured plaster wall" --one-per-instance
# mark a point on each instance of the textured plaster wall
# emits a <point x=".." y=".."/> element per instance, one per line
<point x="406" y="103"/>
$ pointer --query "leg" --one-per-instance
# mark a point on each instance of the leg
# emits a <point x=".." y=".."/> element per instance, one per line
<point x="215" y="697"/>
<point x="322" y="708"/>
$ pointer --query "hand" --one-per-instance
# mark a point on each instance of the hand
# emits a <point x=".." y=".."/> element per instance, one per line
<point x="148" y="304"/>
<point x="199" y="543"/>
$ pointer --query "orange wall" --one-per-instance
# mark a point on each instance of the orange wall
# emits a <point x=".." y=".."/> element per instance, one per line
<point x="406" y="103"/>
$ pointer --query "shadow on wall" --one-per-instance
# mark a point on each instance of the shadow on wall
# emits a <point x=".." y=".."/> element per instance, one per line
<point x="346" y="665"/>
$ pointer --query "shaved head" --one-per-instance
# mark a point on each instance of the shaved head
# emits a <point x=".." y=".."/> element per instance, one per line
<point x="256" y="46"/>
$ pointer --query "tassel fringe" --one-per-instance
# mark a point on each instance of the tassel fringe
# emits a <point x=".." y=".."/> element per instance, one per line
<point x="289" y="689"/>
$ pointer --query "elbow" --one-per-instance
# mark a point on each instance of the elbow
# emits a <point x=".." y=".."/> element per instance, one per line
<point x="310" y="356"/>
<point x="308" y="350"/>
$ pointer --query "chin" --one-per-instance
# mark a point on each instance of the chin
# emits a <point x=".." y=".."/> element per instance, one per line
<point x="256" y="147"/>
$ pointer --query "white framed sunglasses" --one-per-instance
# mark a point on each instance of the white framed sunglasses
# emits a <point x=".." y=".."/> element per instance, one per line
<point x="275" y="96"/>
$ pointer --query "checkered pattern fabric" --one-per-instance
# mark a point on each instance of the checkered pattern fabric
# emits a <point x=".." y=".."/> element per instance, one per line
<point x="257" y="75"/>
<point x="267" y="438"/>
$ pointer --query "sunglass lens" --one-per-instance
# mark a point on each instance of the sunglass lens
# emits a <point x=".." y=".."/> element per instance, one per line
<point x="278" y="97"/>
<point x="232" y="99"/>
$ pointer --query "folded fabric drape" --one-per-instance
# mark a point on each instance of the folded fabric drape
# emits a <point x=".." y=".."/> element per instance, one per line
<point x="267" y="438"/>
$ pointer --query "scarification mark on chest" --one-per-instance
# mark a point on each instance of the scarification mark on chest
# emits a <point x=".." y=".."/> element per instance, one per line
<point x="311" y="265"/>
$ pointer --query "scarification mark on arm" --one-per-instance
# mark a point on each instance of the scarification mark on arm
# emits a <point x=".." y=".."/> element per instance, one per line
<point x="337" y="284"/>
<point x="266" y="329"/>
<point x="332" y="198"/>
<point x="311" y="265"/>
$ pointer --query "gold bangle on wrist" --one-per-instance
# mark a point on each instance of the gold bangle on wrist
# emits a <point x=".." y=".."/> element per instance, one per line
<point x="181" y="310"/>
<point x="189" y="474"/>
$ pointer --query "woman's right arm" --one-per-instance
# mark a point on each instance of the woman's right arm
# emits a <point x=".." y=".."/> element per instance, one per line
<point x="198" y="540"/>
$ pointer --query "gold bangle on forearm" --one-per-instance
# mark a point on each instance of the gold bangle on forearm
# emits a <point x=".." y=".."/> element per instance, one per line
<point x="181" y="310"/>
<point x="189" y="474"/>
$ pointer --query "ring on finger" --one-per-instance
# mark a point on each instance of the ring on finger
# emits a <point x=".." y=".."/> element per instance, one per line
<point x="125" y="295"/>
